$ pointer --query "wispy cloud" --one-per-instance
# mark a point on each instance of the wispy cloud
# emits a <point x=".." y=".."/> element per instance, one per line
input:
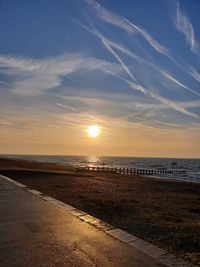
<point x="191" y="70"/>
<point x="5" y="83"/>
<point x="136" y="84"/>
<point x="124" y="66"/>
<point x="109" y="17"/>
<point x="66" y="107"/>
<point x="167" y="75"/>
<point x="167" y="102"/>
<point x="184" y="25"/>
<point x="110" y="45"/>
<point x="123" y="23"/>
<point x="170" y="77"/>
<point x="182" y="22"/>
<point x="33" y="76"/>
<point x="152" y="41"/>
<point x="191" y="104"/>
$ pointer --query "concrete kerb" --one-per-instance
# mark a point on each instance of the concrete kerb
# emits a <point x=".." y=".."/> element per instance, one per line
<point x="122" y="235"/>
<point x="145" y="247"/>
<point x="13" y="181"/>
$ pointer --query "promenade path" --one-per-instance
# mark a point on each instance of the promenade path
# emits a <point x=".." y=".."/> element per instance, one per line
<point x="36" y="233"/>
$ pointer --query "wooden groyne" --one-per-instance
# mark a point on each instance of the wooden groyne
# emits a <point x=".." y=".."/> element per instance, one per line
<point x="130" y="171"/>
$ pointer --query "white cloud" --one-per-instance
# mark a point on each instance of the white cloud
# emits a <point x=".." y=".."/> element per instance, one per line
<point x="125" y="24"/>
<point x="184" y="25"/>
<point x="136" y="85"/>
<point x="153" y="42"/>
<point x="66" y="107"/>
<point x="124" y="66"/>
<point x="109" y="17"/>
<point x="166" y="102"/>
<point x="167" y="75"/>
<point x="170" y="77"/>
<point x="33" y="76"/>
<point x="110" y="44"/>
<point x="191" y="104"/>
<point x="5" y="83"/>
<point x="191" y="70"/>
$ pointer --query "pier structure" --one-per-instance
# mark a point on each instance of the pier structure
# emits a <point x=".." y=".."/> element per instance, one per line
<point x="130" y="171"/>
<point x="174" y="166"/>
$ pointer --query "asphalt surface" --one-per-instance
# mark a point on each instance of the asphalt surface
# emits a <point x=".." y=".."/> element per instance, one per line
<point x="36" y="233"/>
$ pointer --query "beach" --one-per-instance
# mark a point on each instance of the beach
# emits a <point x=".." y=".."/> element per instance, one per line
<point x="163" y="212"/>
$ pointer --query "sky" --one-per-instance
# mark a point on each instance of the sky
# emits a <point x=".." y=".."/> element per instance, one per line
<point x="131" y="67"/>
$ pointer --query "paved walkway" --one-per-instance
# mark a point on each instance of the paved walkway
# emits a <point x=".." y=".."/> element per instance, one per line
<point x="34" y="232"/>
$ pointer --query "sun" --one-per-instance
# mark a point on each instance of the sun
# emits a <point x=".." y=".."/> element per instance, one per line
<point x="93" y="131"/>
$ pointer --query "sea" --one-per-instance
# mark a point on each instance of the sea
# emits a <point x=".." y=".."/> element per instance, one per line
<point x="188" y="169"/>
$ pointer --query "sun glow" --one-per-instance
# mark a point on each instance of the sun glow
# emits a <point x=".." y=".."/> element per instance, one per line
<point x="93" y="131"/>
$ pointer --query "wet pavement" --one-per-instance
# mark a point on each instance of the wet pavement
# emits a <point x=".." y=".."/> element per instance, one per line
<point x="34" y="232"/>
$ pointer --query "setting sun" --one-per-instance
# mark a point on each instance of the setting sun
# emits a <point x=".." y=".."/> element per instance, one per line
<point x="93" y="131"/>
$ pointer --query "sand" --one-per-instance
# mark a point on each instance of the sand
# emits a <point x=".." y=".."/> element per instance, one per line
<point x="165" y="213"/>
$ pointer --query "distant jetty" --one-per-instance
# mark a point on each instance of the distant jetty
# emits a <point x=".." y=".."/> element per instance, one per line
<point x="131" y="171"/>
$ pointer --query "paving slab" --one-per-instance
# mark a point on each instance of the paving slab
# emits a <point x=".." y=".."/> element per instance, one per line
<point x="121" y="235"/>
<point x="35" y="192"/>
<point x="37" y="233"/>
<point x="148" y="248"/>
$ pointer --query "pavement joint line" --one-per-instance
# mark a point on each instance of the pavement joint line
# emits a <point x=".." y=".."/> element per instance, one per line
<point x="88" y="218"/>
<point x="103" y="225"/>
<point x="145" y="247"/>
<point x="78" y="213"/>
<point x="48" y="198"/>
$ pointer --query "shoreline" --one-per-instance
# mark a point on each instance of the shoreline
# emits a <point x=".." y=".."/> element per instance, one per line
<point x="164" y="212"/>
<point x="65" y="168"/>
<point x="173" y="179"/>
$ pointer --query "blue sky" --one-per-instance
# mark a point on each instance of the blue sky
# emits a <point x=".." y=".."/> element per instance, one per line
<point x="130" y="66"/>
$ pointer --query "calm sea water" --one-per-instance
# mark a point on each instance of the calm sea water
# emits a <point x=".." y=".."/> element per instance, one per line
<point x="191" y="167"/>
